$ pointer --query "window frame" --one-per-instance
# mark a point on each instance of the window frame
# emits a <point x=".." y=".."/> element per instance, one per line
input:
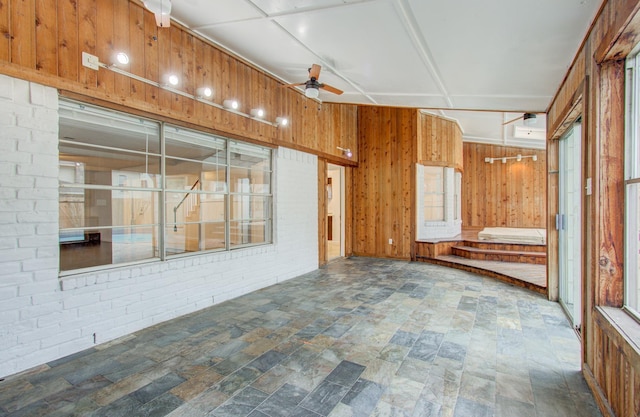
<point x="164" y="219"/>
<point x="631" y="300"/>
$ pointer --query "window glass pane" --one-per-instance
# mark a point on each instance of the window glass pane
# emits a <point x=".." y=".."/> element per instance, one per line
<point x="248" y="232"/>
<point x="95" y="127"/>
<point x="90" y="247"/>
<point x="193" y="207"/>
<point x="247" y="180"/>
<point x="250" y="168"/>
<point x="433" y="195"/>
<point x="192" y="237"/>
<point x="632" y="289"/>
<point x="246" y="207"/>
<point x="80" y="164"/>
<point x="100" y="208"/>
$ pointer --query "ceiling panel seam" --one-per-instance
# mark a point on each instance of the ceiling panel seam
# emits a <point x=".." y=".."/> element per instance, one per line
<point x="411" y="26"/>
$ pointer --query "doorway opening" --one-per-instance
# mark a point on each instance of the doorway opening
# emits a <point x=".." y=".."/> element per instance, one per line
<point x="335" y="212"/>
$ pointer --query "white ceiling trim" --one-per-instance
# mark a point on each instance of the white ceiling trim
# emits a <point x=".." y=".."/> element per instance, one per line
<point x="409" y="22"/>
<point x="273" y="16"/>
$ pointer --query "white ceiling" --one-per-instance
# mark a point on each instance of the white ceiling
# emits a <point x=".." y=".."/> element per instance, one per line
<point x="506" y="56"/>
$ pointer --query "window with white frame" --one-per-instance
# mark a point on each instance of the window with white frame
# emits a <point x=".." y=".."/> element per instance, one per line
<point x="133" y="189"/>
<point x="433" y="193"/>
<point x="632" y="187"/>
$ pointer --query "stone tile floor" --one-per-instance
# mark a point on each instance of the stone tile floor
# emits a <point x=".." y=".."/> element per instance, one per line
<point x="360" y="337"/>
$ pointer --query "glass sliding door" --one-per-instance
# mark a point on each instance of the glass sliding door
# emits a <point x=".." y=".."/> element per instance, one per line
<point x="569" y="223"/>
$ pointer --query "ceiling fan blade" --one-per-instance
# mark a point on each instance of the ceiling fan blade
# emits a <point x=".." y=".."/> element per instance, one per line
<point x="513" y="120"/>
<point x="314" y="71"/>
<point x="331" y="89"/>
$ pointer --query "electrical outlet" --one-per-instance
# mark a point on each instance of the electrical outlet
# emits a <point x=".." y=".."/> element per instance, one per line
<point x="90" y="61"/>
<point x="391" y="241"/>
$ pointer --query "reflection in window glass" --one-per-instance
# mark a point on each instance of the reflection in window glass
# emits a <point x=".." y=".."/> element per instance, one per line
<point x="122" y="200"/>
<point x="109" y="188"/>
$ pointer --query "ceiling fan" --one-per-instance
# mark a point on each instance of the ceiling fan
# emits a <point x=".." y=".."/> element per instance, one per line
<point x="162" y="10"/>
<point x="528" y="119"/>
<point x="312" y="86"/>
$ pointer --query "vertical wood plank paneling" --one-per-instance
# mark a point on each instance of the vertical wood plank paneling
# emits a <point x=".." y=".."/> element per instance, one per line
<point x="383" y="182"/>
<point x="611" y="152"/>
<point x="121" y="42"/>
<point x="68" y="50"/>
<point x="104" y="48"/>
<point x="46" y="36"/>
<point x="439" y="141"/>
<point x="188" y="73"/>
<point x="136" y="51"/>
<point x="152" y="59"/>
<point x="348" y="211"/>
<point x="509" y="195"/>
<point x="323" y="248"/>
<point x="5" y="32"/>
<point x="87" y="33"/>
<point x="23" y="39"/>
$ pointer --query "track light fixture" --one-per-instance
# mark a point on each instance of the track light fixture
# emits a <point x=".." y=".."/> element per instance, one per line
<point x="170" y="83"/>
<point x="346" y="152"/>
<point x="204" y="92"/>
<point x="121" y="58"/>
<point x="504" y="159"/>
<point x="231" y="104"/>
<point x="257" y="113"/>
<point x="282" y="121"/>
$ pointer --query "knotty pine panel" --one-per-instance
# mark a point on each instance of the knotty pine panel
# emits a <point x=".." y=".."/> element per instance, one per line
<point x="509" y="195"/>
<point x="323" y="243"/>
<point x="44" y="41"/>
<point x="5" y="32"/>
<point x="439" y="141"/>
<point x="384" y="183"/>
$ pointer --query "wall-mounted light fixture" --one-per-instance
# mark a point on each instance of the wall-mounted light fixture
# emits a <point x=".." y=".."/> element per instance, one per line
<point x="282" y="121"/>
<point x="257" y="113"/>
<point x="346" y="152"/>
<point x="231" y="104"/>
<point x="120" y="58"/>
<point x="204" y="92"/>
<point x="171" y="80"/>
<point x="504" y="159"/>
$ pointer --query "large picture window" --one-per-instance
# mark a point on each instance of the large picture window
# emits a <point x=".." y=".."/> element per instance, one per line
<point x="133" y="189"/>
<point x="632" y="188"/>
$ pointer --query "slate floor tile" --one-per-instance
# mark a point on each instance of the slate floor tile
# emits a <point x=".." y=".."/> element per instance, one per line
<point x="359" y="337"/>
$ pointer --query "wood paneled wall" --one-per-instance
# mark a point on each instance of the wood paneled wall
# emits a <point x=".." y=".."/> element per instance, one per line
<point x="610" y="356"/>
<point x="439" y="142"/>
<point x="384" y="182"/>
<point x="509" y="195"/>
<point x="43" y="41"/>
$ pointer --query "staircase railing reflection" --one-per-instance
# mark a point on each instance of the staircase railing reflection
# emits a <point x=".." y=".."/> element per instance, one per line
<point x="175" y="209"/>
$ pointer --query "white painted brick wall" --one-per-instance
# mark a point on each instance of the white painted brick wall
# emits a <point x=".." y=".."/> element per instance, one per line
<point x="43" y="317"/>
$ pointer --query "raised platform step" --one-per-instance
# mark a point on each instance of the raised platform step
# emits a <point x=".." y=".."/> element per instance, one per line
<point x="522" y="247"/>
<point x="532" y="277"/>
<point x="503" y="255"/>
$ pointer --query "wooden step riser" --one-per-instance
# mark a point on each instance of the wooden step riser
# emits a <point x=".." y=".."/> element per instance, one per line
<point x="483" y="256"/>
<point x="505" y="246"/>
